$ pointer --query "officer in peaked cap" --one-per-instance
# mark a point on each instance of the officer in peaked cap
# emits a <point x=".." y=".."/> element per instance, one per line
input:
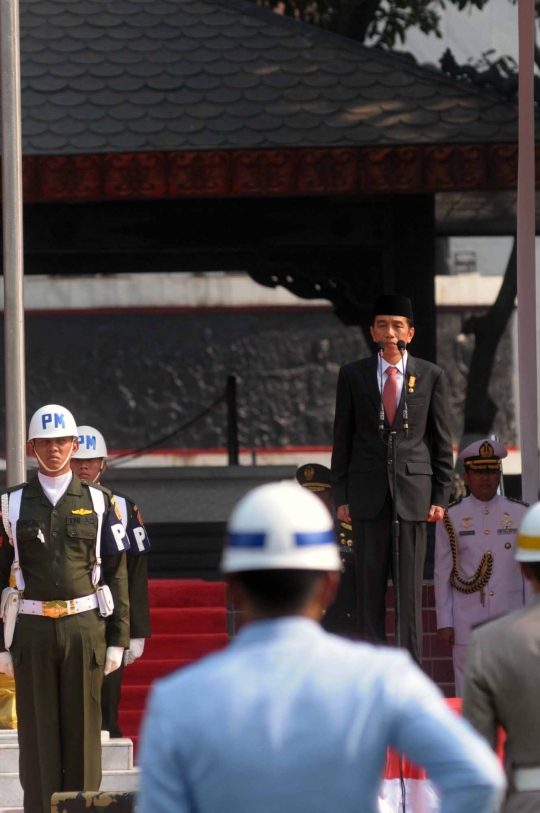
<point x="316" y="478"/>
<point x="501" y="686"/>
<point x="66" y="544"/>
<point x="90" y="463"/>
<point x="291" y="718"/>
<point x="476" y="575"/>
<point x="341" y="615"/>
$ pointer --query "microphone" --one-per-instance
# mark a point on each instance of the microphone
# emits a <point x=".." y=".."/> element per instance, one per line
<point x="401" y="346"/>
<point x="380" y="350"/>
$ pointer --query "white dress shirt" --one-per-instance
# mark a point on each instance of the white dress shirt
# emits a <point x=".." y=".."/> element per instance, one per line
<point x="401" y="366"/>
<point x="55" y="487"/>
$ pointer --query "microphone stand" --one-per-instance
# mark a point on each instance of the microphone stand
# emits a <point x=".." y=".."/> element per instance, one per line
<point x="392" y="462"/>
<point x="392" y="452"/>
<point x="380" y="351"/>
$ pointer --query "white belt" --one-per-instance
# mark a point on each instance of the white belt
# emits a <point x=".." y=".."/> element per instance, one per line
<point x="57" y="608"/>
<point x="526" y="779"/>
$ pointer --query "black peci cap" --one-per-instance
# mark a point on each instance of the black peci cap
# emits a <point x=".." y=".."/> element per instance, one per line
<point x="393" y="305"/>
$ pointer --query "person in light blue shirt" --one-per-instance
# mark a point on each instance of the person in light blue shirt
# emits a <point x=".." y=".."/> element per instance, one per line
<point x="291" y="719"/>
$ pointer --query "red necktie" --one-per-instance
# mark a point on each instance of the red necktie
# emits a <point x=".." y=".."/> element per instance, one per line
<point x="389" y="394"/>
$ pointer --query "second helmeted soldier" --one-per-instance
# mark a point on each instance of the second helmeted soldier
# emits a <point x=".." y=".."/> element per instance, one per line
<point x="90" y="463"/>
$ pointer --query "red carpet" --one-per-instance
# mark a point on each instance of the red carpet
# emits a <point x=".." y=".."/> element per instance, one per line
<point x="189" y="620"/>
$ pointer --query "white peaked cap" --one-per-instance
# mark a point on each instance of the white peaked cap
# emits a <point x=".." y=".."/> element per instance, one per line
<point x="484" y="449"/>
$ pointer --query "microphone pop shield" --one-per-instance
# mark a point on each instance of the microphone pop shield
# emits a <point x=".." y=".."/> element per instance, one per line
<point x="380" y="347"/>
<point x="401" y="346"/>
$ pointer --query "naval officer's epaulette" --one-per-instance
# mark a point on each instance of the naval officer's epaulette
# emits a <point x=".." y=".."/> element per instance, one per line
<point x="456" y="502"/>
<point x="519" y="502"/>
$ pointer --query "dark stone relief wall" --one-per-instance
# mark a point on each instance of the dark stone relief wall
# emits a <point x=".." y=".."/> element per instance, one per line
<point x="454" y="351"/>
<point x="139" y="376"/>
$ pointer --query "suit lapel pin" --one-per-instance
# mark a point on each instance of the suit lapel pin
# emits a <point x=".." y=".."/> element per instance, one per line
<point x="412" y="382"/>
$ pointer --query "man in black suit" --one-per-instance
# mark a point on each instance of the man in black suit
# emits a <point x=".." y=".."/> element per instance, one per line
<point x="361" y="470"/>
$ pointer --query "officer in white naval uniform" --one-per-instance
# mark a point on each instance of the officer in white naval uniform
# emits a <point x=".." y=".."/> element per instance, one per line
<point x="476" y="575"/>
<point x="291" y="718"/>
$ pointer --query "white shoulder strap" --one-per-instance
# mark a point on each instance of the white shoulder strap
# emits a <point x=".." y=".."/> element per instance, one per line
<point x="98" y="501"/>
<point x="13" y="507"/>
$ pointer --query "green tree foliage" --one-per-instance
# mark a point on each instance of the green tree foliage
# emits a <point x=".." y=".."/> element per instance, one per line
<point x="380" y="22"/>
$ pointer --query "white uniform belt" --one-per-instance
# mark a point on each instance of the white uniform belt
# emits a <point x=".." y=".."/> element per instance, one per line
<point x="58" y="608"/>
<point x="526" y="779"/>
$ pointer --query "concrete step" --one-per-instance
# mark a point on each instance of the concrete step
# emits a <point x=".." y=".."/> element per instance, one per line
<point x="11" y="795"/>
<point x="116" y="755"/>
<point x="117" y="759"/>
<point x="121" y="780"/>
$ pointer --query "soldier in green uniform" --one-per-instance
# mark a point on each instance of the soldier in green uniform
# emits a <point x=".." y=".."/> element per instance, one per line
<point x="90" y="463"/>
<point x="340" y="617"/>
<point x="66" y="545"/>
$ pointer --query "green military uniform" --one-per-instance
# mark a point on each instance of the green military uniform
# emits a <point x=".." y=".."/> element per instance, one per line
<point x="58" y="662"/>
<point x="139" y="613"/>
<point x="341" y="616"/>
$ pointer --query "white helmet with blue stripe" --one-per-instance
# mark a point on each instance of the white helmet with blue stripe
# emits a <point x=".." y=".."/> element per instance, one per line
<point x="280" y="526"/>
<point x="91" y="443"/>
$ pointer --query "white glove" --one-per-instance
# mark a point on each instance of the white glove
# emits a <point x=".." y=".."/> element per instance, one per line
<point x="6" y="663"/>
<point x="113" y="659"/>
<point x="136" y="649"/>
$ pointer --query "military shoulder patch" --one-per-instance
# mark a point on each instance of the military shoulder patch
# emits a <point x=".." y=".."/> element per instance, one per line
<point x="116" y="510"/>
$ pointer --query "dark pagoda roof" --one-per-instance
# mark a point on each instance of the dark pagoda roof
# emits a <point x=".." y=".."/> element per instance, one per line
<point x="173" y="75"/>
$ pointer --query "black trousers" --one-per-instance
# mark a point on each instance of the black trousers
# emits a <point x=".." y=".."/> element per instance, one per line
<point x="374" y="564"/>
<point x="110" y="700"/>
<point x="340" y="618"/>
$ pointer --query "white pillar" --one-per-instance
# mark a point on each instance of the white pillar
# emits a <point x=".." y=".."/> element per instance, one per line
<point x="528" y="378"/>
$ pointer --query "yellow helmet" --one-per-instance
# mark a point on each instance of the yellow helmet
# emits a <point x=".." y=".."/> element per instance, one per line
<point x="528" y="546"/>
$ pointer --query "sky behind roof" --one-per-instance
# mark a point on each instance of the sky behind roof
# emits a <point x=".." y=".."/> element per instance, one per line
<point x="470" y="33"/>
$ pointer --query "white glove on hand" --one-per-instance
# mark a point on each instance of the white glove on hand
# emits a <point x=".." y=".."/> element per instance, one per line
<point x="113" y="659"/>
<point x="136" y="649"/>
<point x="6" y="663"/>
